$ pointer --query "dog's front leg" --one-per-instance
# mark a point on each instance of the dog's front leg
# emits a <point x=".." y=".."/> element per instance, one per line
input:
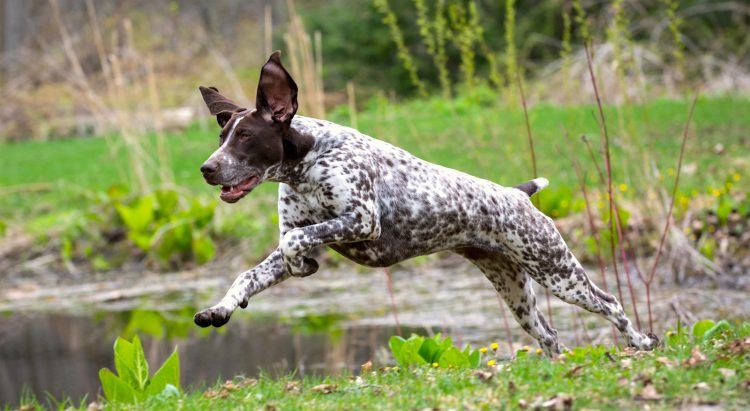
<point x="347" y="228"/>
<point x="270" y="272"/>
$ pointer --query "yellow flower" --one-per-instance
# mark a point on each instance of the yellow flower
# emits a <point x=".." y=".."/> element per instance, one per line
<point x="715" y="192"/>
<point x="538" y="351"/>
<point x="435" y="365"/>
<point x="494" y="346"/>
<point x="736" y="176"/>
<point x="623" y="187"/>
<point x="483" y="350"/>
<point x="526" y="348"/>
<point x="491" y="363"/>
<point x="670" y="171"/>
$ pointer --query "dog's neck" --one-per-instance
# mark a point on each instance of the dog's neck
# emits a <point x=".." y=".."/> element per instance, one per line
<point x="301" y="148"/>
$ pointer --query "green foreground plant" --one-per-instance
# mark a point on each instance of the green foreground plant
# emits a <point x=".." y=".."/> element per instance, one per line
<point x="132" y="382"/>
<point x="434" y="351"/>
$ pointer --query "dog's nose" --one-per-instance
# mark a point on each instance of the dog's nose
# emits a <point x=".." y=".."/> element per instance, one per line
<point x="208" y="168"/>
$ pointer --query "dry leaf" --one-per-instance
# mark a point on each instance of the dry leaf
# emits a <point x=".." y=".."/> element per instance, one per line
<point x="558" y="402"/>
<point x="626" y="363"/>
<point x="575" y="371"/>
<point x="247" y="382"/>
<point x="484" y="376"/>
<point x="324" y="388"/>
<point x="366" y="367"/>
<point x="740" y="346"/>
<point x="727" y="372"/>
<point x="702" y="386"/>
<point x="666" y="362"/>
<point x="649" y="393"/>
<point x="696" y="357"/>
<point x="213" y="394"/>
<point x="292" y="386"/>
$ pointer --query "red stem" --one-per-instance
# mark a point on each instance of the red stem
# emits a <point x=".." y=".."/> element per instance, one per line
<point x="389" y="283"/>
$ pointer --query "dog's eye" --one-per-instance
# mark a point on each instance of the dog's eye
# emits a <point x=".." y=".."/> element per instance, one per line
<point x="244" y="136"/>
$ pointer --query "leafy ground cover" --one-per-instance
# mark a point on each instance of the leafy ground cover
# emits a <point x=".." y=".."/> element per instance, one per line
<point x="698" y="367"/>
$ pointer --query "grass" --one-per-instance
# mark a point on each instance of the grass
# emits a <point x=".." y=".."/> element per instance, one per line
<point x="680" y="373"/>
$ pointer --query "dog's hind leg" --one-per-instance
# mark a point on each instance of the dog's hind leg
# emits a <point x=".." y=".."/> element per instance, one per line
<point x="515" y="286"/>
<point x="270" y="272"/>
<point x="544" y="255"/>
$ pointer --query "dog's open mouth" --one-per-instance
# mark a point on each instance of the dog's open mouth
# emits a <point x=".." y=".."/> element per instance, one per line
<point x="232" y="194"/>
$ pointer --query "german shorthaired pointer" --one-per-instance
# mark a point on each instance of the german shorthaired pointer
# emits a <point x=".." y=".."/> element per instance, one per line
<point x="378" y="205"/>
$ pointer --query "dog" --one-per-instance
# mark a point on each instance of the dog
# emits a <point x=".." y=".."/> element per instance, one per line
<point x="378" y="205"/>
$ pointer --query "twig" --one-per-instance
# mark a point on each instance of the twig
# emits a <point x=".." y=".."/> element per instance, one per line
<point x="394" y="309"/>
<point x="670" y="210"/>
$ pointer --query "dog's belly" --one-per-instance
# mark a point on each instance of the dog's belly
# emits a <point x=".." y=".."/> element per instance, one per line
<point x="398" y="244"/>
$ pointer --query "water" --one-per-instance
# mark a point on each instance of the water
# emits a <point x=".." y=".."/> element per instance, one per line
<point x="62" y="354"/>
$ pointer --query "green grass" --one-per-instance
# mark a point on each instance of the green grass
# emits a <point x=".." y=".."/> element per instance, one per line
<point x="590" y="377"/>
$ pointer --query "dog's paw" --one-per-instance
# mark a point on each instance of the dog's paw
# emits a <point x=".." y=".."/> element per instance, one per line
<point x="216" y="316"/>
<point x="647" y="342"/>
<point x="302" y="267"/>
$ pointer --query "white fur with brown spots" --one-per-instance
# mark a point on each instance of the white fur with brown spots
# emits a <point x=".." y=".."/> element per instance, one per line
<point x="378" y="205"/>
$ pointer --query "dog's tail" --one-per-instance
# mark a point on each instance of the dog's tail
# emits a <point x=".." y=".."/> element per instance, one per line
<point x="534" y="186"/>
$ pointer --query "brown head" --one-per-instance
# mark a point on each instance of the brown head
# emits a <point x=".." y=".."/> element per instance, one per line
<point x="251" y="141"/>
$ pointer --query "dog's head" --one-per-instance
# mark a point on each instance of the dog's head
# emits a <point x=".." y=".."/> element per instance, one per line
<point x="251" y="141"/>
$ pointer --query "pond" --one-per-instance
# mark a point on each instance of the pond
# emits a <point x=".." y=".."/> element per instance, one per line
<point x="62" y="354"/>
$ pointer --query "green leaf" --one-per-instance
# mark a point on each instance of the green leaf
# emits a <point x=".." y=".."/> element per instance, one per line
<point x="429" y="351"/>
<point x="115" y="389"/>
<point x="701" y="327"/>
<point x="138" y="216"/>
<point x="452" y="357"/>
<point x="715" y="330"/>
<point x="139" y="364"/>
<point x="167" y="202"/>
<point x="167" y="374"/>
<point x="124" y="357"/>
<point x="410" y="352"/>
<point x="395" y="343"/>
<point x="474" y="359"/>
<point x="203" y="248"/>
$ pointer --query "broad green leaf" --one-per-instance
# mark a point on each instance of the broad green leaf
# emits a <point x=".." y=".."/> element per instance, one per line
<point x="167" y="374"/>
<point x="115" y="389"/>
<point x="715" y="330"/>
<point x="137" y="216"/>
<point x="452" y="357"/>
<point x="395" y="343"/>
<point x="124" y="358"/>
<point x="410" y="352"/>
<point x="474" y="359"/>
<point x="429" y="350"/>
<point x="139" y="365"/>
<point x="701" y="327"/>
<point x="203" y="248"/>
<point x="167" y="202"/>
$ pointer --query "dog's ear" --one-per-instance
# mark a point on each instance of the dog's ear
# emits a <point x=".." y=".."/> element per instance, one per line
<point x="218" y="105"/>
<point x="277" y="92"/>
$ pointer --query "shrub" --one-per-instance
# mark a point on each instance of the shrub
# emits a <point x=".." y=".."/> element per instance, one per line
<point x="435" y="351"/>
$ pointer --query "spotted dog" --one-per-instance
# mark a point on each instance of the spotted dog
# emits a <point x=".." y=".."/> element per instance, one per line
<point x="378" y="205"/>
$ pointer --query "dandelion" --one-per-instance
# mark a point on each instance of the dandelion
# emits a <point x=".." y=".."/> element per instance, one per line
<point x="526" y="348"/>
<point x="736" y="177"/>
<point x="435" y="365"/>
<point x="538" y="351"/>
<point x="715" y="192"/>
<point x="491" y="363"/>
<point x="494" y="346"/>
<point x="623" y="187"/>
<point x="483" y="350"/>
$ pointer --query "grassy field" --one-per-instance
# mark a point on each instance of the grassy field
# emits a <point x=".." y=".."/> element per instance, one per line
<point x="478" y="137"/>
<point x="686" y="371"/>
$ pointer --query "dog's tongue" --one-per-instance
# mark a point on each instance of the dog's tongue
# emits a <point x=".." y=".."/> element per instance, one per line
<point x="239" y="189"/>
